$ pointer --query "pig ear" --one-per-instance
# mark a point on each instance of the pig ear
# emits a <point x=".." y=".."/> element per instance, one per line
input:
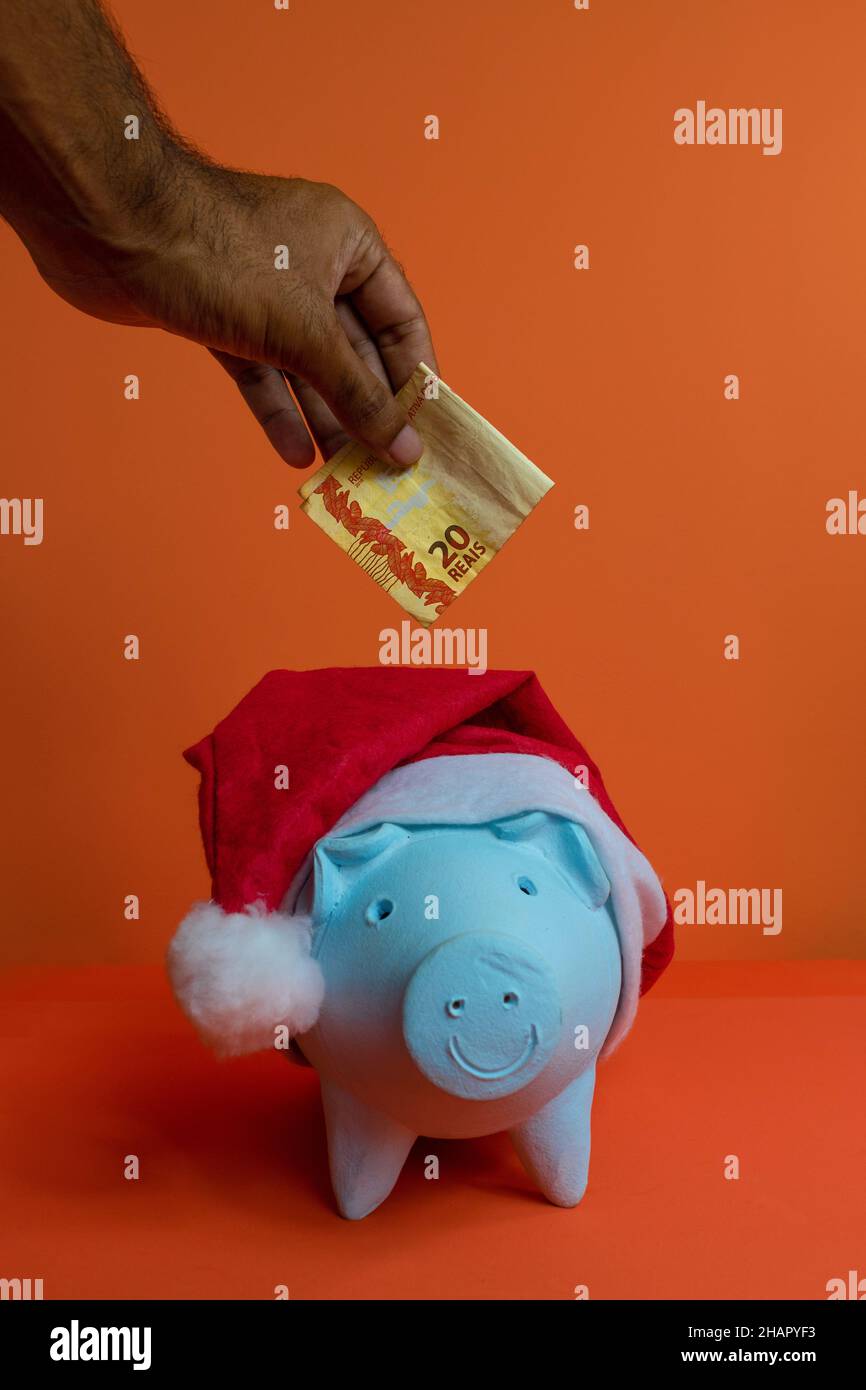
<point x="335" y="859"/>
<point x="567" y="844"/>
<point x="581" y="856"/>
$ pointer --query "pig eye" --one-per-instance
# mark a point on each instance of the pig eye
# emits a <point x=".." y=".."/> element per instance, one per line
<point x="527" y="886"/>
<point x="378" y="911"/>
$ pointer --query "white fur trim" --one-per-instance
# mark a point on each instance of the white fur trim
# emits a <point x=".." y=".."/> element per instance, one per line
<point x="239" y="975"/>
<point x="471" y="788"/>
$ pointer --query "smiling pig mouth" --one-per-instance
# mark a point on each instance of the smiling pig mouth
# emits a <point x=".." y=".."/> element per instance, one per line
<point x="493" y="1073"/>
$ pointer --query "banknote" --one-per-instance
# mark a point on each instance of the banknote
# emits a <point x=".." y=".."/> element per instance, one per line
<point x="425" y="533"/>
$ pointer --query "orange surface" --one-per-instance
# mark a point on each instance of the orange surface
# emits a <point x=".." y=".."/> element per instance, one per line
<point x="764" y="1062"/>
<point x="707" y="516"/>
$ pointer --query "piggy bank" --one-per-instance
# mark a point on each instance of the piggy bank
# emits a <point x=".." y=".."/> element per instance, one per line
<point x="433" y="911"/>
<point x="471" y="975"/>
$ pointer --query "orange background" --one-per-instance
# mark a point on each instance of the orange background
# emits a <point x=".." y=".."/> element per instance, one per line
<point x="707" y="516"/>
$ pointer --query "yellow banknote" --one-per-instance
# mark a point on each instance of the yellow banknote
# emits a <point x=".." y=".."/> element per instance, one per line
<point x="426" y="532"/>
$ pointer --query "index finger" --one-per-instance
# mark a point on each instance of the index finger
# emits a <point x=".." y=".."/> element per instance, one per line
<point x="395" y="320"/>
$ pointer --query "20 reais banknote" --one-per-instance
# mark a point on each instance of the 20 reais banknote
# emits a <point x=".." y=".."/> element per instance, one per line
<point x="426" y="532"/>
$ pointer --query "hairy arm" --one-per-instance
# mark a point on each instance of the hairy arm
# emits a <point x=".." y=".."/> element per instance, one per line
<point x="149" y="231"/>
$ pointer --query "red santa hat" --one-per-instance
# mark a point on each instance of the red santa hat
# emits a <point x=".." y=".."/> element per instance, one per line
<point x="309" y="754"/>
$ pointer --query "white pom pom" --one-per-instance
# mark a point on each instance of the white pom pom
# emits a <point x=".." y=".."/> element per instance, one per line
<point x="239" y="975"/>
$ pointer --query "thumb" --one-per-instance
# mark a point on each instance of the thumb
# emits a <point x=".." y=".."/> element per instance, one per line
<point x="361" y="402"/>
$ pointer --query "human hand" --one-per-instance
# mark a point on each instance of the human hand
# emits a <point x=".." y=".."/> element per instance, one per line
<point x="280" y="278"/>
<point x="340" y="321"/>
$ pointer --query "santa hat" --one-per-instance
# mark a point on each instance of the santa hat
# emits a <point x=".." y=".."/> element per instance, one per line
<point x="309" y="754"/>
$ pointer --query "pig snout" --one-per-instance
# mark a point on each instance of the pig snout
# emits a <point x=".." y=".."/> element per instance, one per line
<point x="481" y="1015"/>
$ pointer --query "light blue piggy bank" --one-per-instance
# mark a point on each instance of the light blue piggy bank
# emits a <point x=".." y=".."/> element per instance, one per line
<point x="471" y="975"/>
<point x="439" y="909"/>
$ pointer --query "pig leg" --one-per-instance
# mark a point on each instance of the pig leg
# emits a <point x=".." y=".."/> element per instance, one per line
<point x="366" y="1151"/>
<point x="554" y="1144"/>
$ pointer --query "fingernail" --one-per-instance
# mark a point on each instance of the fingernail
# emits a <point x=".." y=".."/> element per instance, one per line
<point x="407" y="447"/>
